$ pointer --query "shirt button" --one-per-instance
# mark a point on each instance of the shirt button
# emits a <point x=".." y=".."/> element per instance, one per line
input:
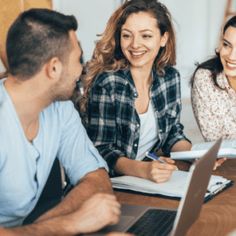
<point x="137" y="125"/>
<point x="135" y="94"/>
<point x="135" y="144"/>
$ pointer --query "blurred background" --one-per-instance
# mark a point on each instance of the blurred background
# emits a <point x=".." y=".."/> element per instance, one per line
<point x="198" y="25"/>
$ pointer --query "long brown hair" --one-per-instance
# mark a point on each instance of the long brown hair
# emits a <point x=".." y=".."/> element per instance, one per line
<point x="108" y="55"/>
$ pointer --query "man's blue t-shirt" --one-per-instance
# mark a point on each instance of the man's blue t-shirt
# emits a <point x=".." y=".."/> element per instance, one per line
<point x="25" y="166"/>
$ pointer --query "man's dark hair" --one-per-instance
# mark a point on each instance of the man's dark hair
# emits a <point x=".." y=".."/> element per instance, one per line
<point x="36" y="36"/>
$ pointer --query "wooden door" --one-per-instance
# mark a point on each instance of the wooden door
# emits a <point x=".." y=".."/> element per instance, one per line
<point x="9" y="10"/>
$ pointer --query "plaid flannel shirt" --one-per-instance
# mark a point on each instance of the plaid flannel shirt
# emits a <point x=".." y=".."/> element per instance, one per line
<point x="112" y="121"/>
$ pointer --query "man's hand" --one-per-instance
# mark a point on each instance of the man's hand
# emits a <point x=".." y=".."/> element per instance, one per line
<point x="161" y="172"/>
<point x="94" y="182"/>
<point x="97" y="212"/>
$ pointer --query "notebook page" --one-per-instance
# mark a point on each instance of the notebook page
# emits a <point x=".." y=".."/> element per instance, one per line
<point x="175" y="187"/>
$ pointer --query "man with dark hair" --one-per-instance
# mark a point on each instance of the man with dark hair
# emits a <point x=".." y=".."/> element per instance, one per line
<point x="37" y="125"/>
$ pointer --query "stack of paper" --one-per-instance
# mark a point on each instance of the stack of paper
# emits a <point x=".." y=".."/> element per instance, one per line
<point x="175" y="187"/>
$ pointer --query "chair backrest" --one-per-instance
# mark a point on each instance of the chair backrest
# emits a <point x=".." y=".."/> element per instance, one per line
<point x="9" y="10"/>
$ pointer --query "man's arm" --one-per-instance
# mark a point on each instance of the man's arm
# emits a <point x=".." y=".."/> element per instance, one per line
<point x="94" y="182"/>
<point x="83" y="220"/>
<point x="55" y="226"/>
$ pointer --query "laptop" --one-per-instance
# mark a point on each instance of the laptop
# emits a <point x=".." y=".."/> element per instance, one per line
<point x="152" y="221"/>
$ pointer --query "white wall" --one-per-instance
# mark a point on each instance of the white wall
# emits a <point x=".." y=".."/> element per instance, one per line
<point x="92" y="16"/>
<point x="197" y="24"/>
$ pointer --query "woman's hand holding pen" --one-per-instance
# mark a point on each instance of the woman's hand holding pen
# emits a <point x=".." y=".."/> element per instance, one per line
<point x="161" y="170"/>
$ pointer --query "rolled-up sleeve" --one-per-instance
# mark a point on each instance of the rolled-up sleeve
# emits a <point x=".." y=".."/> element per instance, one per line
<point x="77" y="153"/>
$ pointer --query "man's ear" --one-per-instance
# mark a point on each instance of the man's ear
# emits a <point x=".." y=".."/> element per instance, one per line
<point x="54" y="68"/>
<point x="164" y="39"/>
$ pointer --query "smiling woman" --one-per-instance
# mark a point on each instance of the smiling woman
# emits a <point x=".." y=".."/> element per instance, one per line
<point x="132" y="91"/>
<point x="214" y="89"/>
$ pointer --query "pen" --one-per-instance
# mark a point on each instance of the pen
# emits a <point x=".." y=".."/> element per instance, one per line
<point x="154" y="157"/>
<point x="217" y="189"/>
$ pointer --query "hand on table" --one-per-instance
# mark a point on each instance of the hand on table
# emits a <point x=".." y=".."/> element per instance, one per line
<point x="97" y="212"/>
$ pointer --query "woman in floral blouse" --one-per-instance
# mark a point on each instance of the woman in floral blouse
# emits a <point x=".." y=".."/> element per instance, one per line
<point x="132" y="92"/>
<point x="214" y="89"/>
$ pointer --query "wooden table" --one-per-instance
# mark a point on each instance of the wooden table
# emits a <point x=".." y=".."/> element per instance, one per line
<point x="217" y="217"/>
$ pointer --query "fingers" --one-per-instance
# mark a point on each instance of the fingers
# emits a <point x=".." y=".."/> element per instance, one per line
<point x="164" y="166"/>
<point x="219" y="162"/>
<point x="109" y="200"/>
<point x="114" y="217"/>
<point x="161" y="172"/>
<point x="106" y="202"/>
<point x="106" y="209"/>
<point x="98" y="211"/>
<point x="111" y="208"/>
<point x="161" y="175"/>
<point x="216" y="166"/>
<point x="160" y="179"/>
<point x="167" y="160"/>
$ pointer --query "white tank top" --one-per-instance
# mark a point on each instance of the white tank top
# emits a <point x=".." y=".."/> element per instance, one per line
<point x="148" y="132"/>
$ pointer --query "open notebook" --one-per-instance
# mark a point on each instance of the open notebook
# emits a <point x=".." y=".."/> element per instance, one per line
<point x="175" y="187"/>
<point x="153" y="221"/>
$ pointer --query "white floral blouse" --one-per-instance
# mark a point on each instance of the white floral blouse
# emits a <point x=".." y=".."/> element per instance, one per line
<point x="214" y="108"/>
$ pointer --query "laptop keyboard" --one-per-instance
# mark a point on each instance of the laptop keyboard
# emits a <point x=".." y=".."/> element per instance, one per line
<point x="154" y="222"/>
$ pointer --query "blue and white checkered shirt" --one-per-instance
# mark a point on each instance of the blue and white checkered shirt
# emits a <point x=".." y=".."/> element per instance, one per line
<point x="112" y="121"/>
